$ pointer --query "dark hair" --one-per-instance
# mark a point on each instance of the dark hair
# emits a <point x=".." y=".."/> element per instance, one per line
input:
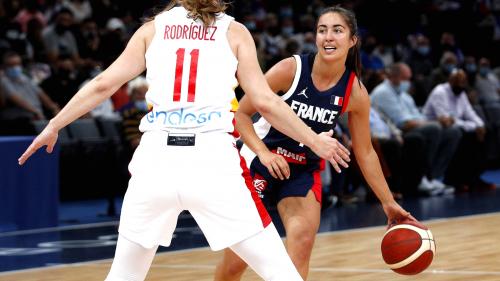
<point x="205" y="10"/>
<point x="353" y="61"/>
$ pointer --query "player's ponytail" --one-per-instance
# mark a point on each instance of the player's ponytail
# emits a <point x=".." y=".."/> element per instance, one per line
<point x="204" y="10"/>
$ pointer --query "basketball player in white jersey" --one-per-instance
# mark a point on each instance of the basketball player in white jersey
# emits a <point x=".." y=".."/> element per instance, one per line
<point x="195" y="55"/>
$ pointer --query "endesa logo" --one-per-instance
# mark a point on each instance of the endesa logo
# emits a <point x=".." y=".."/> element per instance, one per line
<point x="182" y="117"/>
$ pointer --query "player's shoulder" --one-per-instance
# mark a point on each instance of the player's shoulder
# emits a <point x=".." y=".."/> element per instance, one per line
<point x="359" y="95"/>
<point x="238" y="31"/>
<point x="281" y="75"/>
<point x="285" y="67"/>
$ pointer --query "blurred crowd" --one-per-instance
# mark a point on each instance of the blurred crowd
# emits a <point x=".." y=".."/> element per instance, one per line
<point x="431" y="68"/>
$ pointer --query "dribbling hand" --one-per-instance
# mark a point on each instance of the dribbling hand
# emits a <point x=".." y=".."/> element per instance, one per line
<point x="330" y="149"/>
<point x="47" y="137"/>
<point x="395" y="213"/>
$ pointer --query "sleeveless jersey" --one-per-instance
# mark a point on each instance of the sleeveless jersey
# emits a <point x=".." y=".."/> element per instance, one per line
<point x="191" y="71"/>
<point x="319" y="110"/>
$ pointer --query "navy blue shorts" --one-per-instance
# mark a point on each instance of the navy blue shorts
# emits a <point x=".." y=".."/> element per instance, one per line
<point x="302" y="179"/>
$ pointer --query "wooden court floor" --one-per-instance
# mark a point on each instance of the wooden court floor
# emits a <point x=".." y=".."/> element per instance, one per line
<point x="468" y="249"/>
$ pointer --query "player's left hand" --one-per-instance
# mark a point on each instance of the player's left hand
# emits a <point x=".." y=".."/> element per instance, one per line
<point x="395" y="213"/>
<point x="275" y="164"/>
<point x="47" y="137"/>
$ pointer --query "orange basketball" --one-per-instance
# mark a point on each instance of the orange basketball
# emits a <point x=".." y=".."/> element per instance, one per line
<point x="408" y="247"/>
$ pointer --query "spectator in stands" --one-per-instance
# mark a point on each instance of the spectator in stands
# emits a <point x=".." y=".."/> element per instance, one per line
<point x="64" y="81"/>
<point x="30" y="12"/>
<point x="448" y="44"/>
<point x="59" y="40"/>
<point x="112" y="41"/>
<point x="26" y="99"/>
<point x="12" y="38"/>
<point x="89" y="41"/>
<point x="133" y="112"/>
<point x="470" y="68"/>
<point x="373" y="66"/>
<point x="403" y="154"/>
<point x="81" y="9"/>
<point x="487" y="84"/>
<point x="36" y="42"/>
<point x="420" y="62"/>
<point x="448" y="104"/>
<point x="447" y="64"/>
<point x="392" y="99"/>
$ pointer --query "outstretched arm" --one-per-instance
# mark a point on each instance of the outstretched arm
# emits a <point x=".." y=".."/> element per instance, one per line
<point x="127" y="66"/>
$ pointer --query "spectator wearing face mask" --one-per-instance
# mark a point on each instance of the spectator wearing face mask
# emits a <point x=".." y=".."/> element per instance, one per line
<point x="63" y="83"/>
<point x="448" y="104"/>
<point x="440" y="140"/>
<point x="133" y="112"/>
<point x="59" y="40"/>
<point x="470" y="68"/>
<point x="447" y="64"/>
<point x="487" y="84"/>
<point x="420" y="62"/>
<point x="24" y="99"/>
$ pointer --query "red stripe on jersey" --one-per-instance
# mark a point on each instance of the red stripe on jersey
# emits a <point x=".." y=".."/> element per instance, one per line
<point x="235" y="133"/>
<point x="348" y="91"/>
<point x="264" y="215"/>
<point x="317" y="187"/>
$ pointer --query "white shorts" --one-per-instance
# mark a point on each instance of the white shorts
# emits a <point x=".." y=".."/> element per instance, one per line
<point x="209" y="179"/>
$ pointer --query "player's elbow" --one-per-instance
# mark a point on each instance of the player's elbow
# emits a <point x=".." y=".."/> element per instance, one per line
<point x="101" y="84"/>
<point x="265" y="104"/>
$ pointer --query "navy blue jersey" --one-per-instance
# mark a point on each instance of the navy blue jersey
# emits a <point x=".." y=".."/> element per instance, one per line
<point x="320" y="110"/>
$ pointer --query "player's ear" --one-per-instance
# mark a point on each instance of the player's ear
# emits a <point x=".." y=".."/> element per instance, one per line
<point x="354" y="40"/>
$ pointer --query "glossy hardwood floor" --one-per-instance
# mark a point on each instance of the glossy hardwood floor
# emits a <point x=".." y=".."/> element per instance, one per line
<point x="468" y="248"/>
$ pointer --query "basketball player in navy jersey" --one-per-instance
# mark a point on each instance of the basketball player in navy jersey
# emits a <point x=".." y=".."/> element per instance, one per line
<point x="318" y="88"/>
<point x="192" y="53"/>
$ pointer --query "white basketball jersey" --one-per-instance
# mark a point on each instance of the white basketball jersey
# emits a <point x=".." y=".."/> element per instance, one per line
<point x="191" y="71"/>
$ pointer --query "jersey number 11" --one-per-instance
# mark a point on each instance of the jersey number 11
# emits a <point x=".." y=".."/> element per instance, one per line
<point x="193" y="69"/>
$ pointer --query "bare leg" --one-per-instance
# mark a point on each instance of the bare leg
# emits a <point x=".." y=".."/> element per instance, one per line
<point x="301" y="218"/>
<point x="230" y="268"/>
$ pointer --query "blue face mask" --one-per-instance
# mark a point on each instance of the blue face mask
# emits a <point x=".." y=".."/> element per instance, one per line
<point x="449" y="67"/>
<point x="471" y="67"/>
<point x="141" y="105"/>
<point x="288" y="31"/>
<point x="484" y="70"/>
<point x="423" y="50"/>
<point x="404" y="86"/>
<point x="14" y="72"/>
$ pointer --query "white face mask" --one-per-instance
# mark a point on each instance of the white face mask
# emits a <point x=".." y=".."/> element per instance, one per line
<point x="404" y="86"/>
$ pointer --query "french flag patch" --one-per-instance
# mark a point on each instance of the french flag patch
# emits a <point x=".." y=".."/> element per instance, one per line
<point x="337" y="100"/>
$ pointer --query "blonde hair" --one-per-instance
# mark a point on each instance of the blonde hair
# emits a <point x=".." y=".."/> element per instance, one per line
<point x="204" y="10"/>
